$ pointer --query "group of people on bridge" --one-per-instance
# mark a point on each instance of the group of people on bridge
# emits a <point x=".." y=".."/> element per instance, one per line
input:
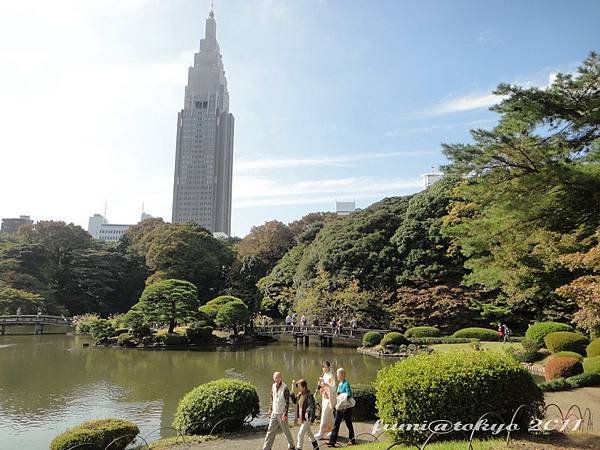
<point x="336" y="407"/>
<point x="336" y="323"/>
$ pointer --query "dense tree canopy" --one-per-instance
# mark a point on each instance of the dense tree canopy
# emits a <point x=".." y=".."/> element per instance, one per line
<point x="532" y="191"/>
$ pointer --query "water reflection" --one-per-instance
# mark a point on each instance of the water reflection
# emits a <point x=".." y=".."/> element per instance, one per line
<point x="48" y="383"/>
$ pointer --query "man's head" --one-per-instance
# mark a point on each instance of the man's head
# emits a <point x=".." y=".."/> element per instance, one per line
<point x="277" y="377"/>
<point x="341" y="374"/>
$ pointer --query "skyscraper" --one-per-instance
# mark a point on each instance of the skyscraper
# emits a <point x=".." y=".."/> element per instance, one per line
<point x="204" y="149"/>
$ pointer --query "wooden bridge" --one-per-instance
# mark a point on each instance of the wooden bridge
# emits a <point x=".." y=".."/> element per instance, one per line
<point x="326" y="333"/>
<point x="37" y="320"/>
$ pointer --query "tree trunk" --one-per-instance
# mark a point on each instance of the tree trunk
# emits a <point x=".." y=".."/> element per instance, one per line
<point x="171" y="326"/>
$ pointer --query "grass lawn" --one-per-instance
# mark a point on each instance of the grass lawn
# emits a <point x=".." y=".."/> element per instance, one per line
<point x="491" y="346"/>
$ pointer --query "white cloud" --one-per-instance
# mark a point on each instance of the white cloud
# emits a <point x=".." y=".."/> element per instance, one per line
<point x="428" y="128"/>
<point x="262" y="191"/>
<point x="265" y="163"/>
<point x="465" y="103"/>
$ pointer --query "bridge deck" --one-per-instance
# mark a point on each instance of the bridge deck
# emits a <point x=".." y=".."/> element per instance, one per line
<point x="311" y="330"/>
<point x="35" y="319"/>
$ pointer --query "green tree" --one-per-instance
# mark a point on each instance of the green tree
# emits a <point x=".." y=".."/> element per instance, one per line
<point x="12" y="299"/>
<point x="188" y="252"/>
<point x="169" y="302"/>
<point x="531" y="191"/>
<point x="234" y="315"/>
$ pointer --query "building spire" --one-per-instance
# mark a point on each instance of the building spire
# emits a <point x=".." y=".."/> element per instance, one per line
<point x="211" y="25"/>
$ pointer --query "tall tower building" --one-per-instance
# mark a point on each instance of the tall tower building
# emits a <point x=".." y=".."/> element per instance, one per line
<point x="204" y="149"/>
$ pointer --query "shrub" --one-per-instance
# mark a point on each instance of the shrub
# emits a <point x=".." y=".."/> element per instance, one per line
<point x="562" y="368"/>
<point x="125" y="339"/>
<point x="538" y="331"/>
<point x="528" y="352"/>
<point x="574" y="382"/>
<point x="101" y="329"/>
<point x="371" y="338"/>
<point x="566" y="341"/>
<point x="394" y="338"/>
<point x="422" y="332"/>
<point x="200" y="409"/>
<point x="99" y="433"/>
<point x="233" y="315"/>
<point x="594" y="348"/>
<point x="483" y="334"/>
<point x="199" y="334"/>
<point x="591" y="365"/>
<point x="365" y="402"/>
<point x="211" y="308"/>
<point x="172" y="339"/>
<point x="456" y="386"/>
<point x="577" y="356"/>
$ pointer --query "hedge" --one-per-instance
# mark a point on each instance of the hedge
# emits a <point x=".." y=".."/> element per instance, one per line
<point x="394" y="338"/>
<point x="206" y="405"/>
<point x="455" y="386"/>
<point x="198" y="334"/>
<point x="538" y="331"/>
<point x="591" y="365"/>
<point x="98" y="432"/>
<point x="562" y="368"/>
<point x="371" y="338"/>
<point x="483" y="334"/>
<point x="422" y="332"/>
<point x="594" y="348"/>
<point x="566" y="354"/>
<point x="365" y="402"/>
<point x="171" y="339"/>
<point x="574" y="382"/>
<point x="566" y="341"/>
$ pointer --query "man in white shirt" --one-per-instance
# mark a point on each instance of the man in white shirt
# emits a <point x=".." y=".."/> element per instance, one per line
<point x="278" y="412"/>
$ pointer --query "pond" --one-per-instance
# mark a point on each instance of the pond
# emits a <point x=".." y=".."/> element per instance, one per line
<point x="49" y="383"/>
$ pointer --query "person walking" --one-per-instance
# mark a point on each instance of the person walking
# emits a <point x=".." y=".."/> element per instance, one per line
<point x="506" y="332"/>
<point x="305" y="413"/>
<point x="303" y="322"/>
<point x="343" y="409"/>
<point x="288" y="322"/>
<point x="500" y="332"/>
<point x="19" y="311"/>
<point x="327" y="390"/>
<point x="278" y="413"/>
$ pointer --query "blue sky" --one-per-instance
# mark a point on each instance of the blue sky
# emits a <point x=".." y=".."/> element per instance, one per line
<point x="332" y="99"/>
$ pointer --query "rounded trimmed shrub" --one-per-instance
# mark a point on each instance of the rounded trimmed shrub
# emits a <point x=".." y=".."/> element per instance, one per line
<point x="394" y="338"/>
<point x="483" y="334"/>
<point x="566" y="341"/>
<point x="562" y="368"/>
<point x="591" y="365"/>
<point x="98" y="432"/>
<point x="364" y="409"/>
<point x="575" y="355"/>
<point x="584" y="380"/>
<point x="422" y="332"/>
<point x="198" y="334"/>
<point x="203" y="407"/>
<point x="538" y="331"/>
<point x="172" y="339"/>
<point x="371" y="338"/>
<point x="594" y="348"/>
<point x="455" y="386"/>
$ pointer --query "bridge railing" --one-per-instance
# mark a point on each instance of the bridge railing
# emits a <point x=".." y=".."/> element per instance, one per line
<point x="35" y="318"/>
<point x="320" y="330"/>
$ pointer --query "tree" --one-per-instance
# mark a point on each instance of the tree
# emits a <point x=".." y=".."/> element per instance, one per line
<point x="169" y="302"/>
<point x="188" y="252"/>
<point x="269" y="242"/>
<point x="531" y="185"/>
<point x="243" y="276"/>
<point x="12" y="299"/>
<point x="234" y="315"/>
<point x="585" y="289"/>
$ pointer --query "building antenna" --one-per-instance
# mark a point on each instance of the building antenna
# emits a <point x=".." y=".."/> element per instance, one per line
<point x="105" y="208"/>
<point x="142" y="208"/>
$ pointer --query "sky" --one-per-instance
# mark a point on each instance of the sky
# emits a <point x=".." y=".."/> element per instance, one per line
<point x="333" y="99"/>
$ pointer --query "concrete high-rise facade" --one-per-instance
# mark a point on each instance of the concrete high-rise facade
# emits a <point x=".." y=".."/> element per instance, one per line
<point x="204" y="149"/>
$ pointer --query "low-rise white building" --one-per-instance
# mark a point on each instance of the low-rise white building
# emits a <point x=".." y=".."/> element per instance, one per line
<point x="99" y="227"/>
<point x="431" y="177"/>
<point x="344" y="207"/>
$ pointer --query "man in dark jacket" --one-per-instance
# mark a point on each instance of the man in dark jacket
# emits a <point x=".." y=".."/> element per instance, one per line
<point x="305" y="413"/>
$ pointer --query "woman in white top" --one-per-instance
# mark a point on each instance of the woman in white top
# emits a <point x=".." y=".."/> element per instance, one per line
<point x="328" y="396"/>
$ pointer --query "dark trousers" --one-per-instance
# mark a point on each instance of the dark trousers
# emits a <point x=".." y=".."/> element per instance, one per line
<point x="346" y="416"/>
